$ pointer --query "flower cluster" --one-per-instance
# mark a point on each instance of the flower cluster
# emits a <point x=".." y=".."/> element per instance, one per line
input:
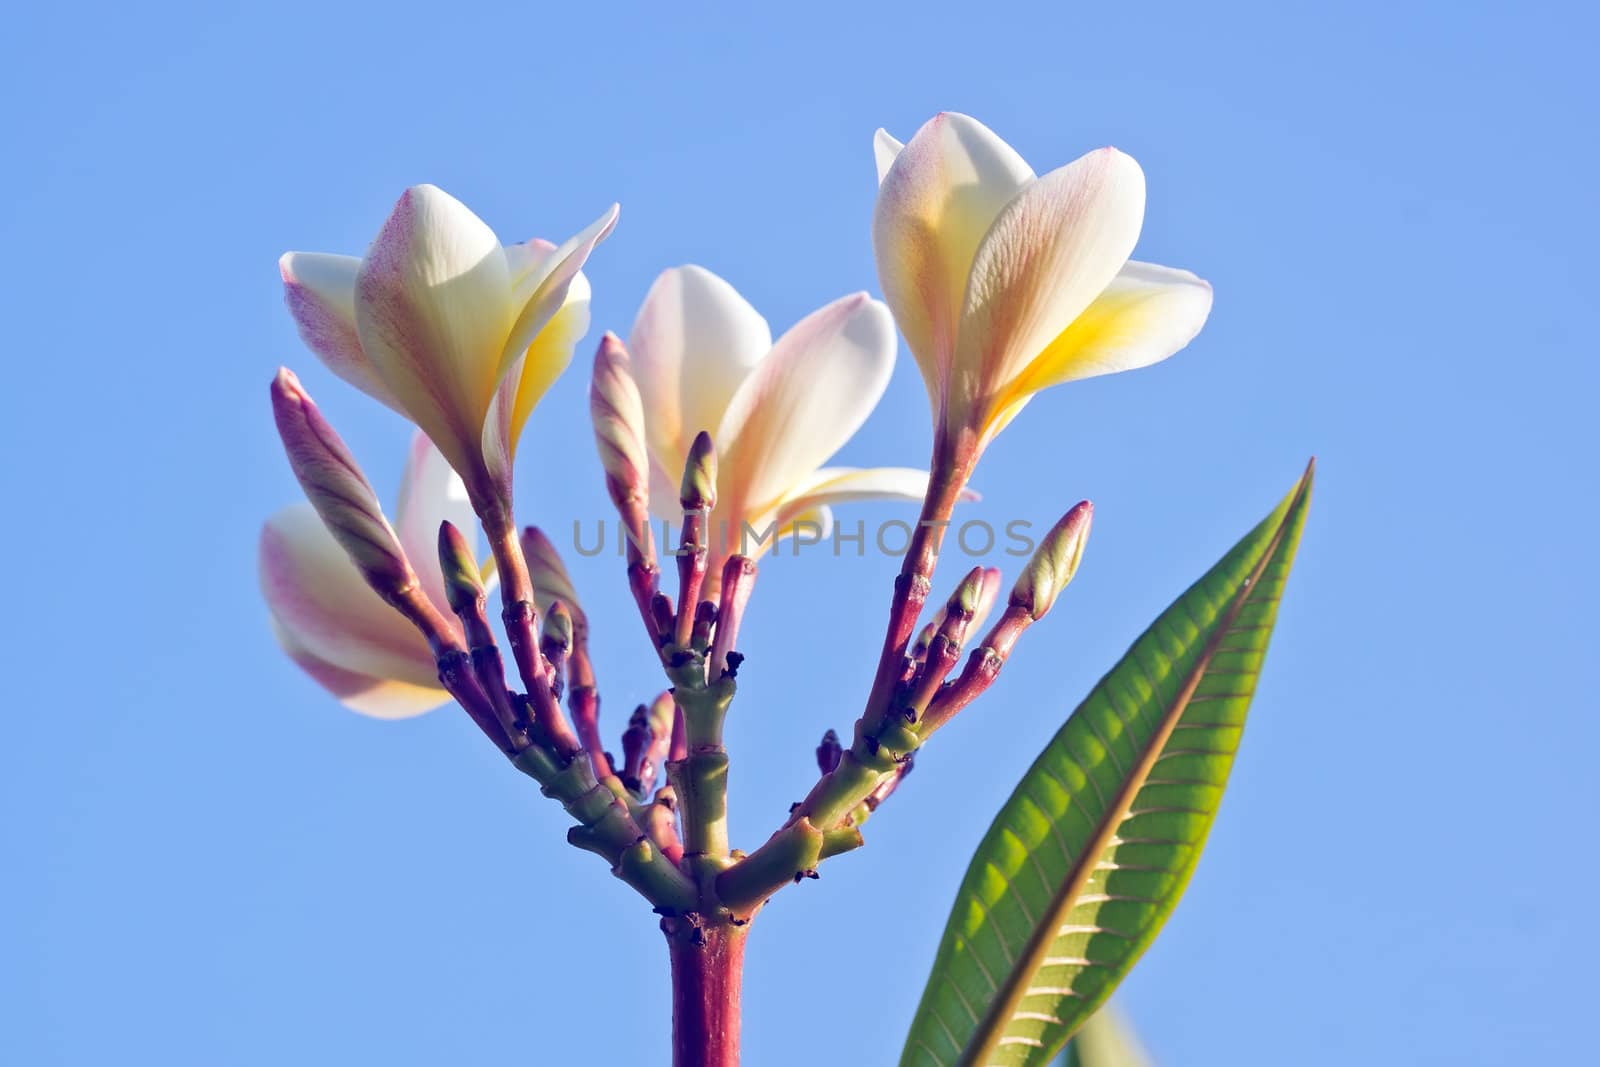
<point x="1002" y="282"/>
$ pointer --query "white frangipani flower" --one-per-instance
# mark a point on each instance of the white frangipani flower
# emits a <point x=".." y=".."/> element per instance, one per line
<point x="704" y="359"/>
<point x="442" y="323"/>
<point x="1005" y="283"/>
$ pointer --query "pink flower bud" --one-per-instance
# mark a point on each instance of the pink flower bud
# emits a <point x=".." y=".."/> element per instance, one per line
<point x="338" y="490"/>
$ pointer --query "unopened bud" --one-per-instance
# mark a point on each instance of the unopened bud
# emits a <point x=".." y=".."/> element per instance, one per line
<point x="699" y="489"/>
<point x="1054" y="564"/>
<point x="549" y="576"/>
<point x="635" y="739"/>
<point x="968" y="595"/>
<point x="829" y="752"/>
<point x="338" y="490"/>
<point x="658" y="720"/>
<point x="986" y="598"/>
<point x="463" y="586"/>
<point x="557" y="627"/>
<point x="618" y="416"/>
<point x="662" y="711"/>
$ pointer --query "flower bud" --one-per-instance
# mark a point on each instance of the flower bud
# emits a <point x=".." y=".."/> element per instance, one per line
<point x="1054" y="564"/>
<point x="635" y="739"/>
<point x="968" y="596"/>
<point x="986" y="598"/>
<point x="338" y="490"/>
<point x="458" y="564"/>
<point x="549" y="576"/>
<point x="557" y="627"/>
<point x="829" y="752"/>
<point x="650" y="729"/>
<point x="618" y="416"/>
<point x="699" y="489"/>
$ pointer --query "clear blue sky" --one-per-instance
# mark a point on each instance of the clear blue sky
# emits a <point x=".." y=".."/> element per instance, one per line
<point x="208" y="862"/>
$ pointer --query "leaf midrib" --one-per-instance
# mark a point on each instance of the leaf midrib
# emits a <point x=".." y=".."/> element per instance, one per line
<point x="1011" y="993"/>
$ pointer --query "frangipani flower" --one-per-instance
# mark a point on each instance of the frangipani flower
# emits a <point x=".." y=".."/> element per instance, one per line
<point x="331" y="622"/>
<point x="1005" y="283"/>
<point x="442" y="323"/>
<point x="705" y="360"/>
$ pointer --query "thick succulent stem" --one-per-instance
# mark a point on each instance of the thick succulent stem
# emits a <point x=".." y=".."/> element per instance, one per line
<point x="707" y="976"/>
<point x="700" y="776"/>
<point x="607" y="827"/>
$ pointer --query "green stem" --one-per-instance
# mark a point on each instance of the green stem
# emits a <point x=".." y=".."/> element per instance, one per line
<point x="700" y="778"/>
<point x="607" y="828"/>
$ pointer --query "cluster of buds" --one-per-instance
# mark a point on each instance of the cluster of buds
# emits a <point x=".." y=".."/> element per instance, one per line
<point x="462" y="334"/>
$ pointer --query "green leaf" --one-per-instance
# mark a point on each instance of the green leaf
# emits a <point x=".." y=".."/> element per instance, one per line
<point x="1105" y="1040"/>
<point x="1087" y="859"/>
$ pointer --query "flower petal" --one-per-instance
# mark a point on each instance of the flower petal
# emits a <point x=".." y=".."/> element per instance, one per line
<point x="884" y="148"/>
<point x="556" y="275"/>
<point x="838" y="485"/>
<point x="812" y="500"/>
<point x="1050" y="253"/>
<point x="1146" y="314"/>
<point x="691" y="318"/>
<point x="378" y="697"/>
<point x="935" y="203"/>
<point x="804" y="401"/>
<point x="315" y="593"/>
<point x="530" y="377"/>
<point x="320" y="290"/>
<point x="528" y="263"/>
<point x="433" y="311"/>
<point x="431" y="493"/>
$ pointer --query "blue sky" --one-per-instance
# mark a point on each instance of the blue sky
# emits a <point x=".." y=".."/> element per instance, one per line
<point x="208" y="862"/>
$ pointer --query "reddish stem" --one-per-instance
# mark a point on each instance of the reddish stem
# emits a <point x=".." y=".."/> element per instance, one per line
<point x="692" y="562"/>
<point x="522" y="626"/>
<point x="951" y="468"/>
<point x="738" y="579"/>
<point x="707" y="973"/>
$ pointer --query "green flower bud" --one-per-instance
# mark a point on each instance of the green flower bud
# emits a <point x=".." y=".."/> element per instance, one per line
<point x="463" y="586"/>
<point x="1054" y="564"/>
<point x="699" y="489"/>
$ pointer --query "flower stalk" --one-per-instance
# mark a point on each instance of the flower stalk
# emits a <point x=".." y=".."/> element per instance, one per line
<point x="707" y="979"/>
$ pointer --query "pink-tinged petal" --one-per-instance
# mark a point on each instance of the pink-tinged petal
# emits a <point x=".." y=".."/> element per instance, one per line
<point x="431" y="493"/>
<point x="693" y="342"/>
<point x="556" y="275"/>
<point x="1146" y="314"/>
<point x="884" y="148"/>
<point x="321" y="293"/>
<point x="528" y="263"/>
<point x="315" y="593"/>
<point x="380" y="698"/>
<point x="433" y="311"/>
<point x="936" y="201"/>
<point x="804" y="401"/>
<point x="1050" y="253"/>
